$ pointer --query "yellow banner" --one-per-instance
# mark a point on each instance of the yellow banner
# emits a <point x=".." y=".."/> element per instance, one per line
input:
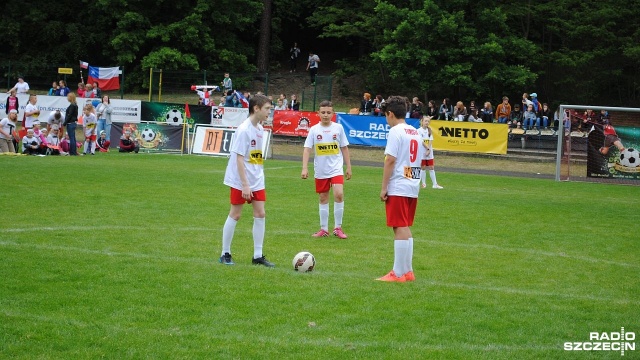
<point x="67" y="71"/>
<point x="470" y="137"/>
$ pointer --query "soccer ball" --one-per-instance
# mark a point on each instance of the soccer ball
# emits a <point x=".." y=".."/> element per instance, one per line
<point x="174" y="117"/>
<point x="148" y="135"/>
<point x="630" y="158"/>
<point x="304" y="262"/>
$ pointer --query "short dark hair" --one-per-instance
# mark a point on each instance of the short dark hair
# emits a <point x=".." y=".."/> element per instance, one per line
<point x="257" y="100"/>
<point x="397" y="105"/>
<point x="325" y="103"/>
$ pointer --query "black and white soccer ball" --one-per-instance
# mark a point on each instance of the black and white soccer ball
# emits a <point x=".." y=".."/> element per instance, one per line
<point x="304" y="262"/>
<point x="174" y="117"/>
<point x="630" y="158"/>
<point x="148" y="135"/>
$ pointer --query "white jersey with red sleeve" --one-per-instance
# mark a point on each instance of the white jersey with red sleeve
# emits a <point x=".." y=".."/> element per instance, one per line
<point x="327" y="143"/>
<point x="427" y="139"/>
<point x="405" y="144"/>
<point x="247" y="142"/>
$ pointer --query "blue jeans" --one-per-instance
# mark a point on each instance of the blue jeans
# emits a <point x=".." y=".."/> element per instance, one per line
<point x="71" y="130"/>
<point x="545" y="121"/>
<point x="100" y="125"/>
<point x="528" y="123"/>
<point x="503" y="119"/>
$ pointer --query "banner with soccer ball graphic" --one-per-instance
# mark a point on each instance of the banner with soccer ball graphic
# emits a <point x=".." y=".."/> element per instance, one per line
<point x="614" y="154"/>
<point x="151" y="136"/>
<point x="175" y="114"/>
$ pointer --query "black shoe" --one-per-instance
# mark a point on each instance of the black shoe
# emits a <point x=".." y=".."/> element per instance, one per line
<point x="262" y="261"/>
<point x="226" y="259"/>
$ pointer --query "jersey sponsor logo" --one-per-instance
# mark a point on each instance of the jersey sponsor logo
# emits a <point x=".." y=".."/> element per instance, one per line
<point x="412" y="172"/>
<point x="324" y="149"/>
<point x="255" y="157"/>
<point x="411" y="131"/>
<point x="319" y="137"/>
<point x="253" y="143"/>
<point x="335" y="137"/>
<point x="463" y="133"/>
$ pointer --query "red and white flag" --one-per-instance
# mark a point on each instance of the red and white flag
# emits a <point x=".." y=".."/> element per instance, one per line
<point x="107" y="78"/>
<point x="84" y="65"/>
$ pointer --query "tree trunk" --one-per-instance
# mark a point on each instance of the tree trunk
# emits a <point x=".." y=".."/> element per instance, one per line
<point x="265" y="37"/>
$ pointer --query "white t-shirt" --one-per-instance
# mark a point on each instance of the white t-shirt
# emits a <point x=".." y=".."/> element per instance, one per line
<point x="327" y="143"/>
<point x="247" y="143"/>
<point x="424" y="134"/>
<point x="313" y="61"/>
<point x="8" y="127"/>
<point x="29" y="141"/>
<point x="52" y="120"/>
<point x="22" y="88"/>
<point x="405" y="144"/>
<point x="53" y="140"/>
<point x="29" y="119"/>
<point x="89" y="122"/>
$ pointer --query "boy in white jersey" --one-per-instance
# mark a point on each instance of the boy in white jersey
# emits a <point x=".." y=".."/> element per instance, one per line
<point x="427" y="160"/>
<point x="329" y="143"/>
<point x="245" y="177"/>
<point x="90" y="122"/>
<point x="401" y="185"/>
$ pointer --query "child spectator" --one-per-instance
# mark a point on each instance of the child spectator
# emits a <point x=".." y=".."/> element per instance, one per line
<point x="503" y="111"/>
<point x="30" y="143"/>
<point x="545" y="116"/>
<point x="88" y="91"/>
<point x="103" y="143"/>
<point x="8" y="132"/>
<point x="530" y="118"/>
<point x="53" y="142"/>
<point x="472" y="111"/>
<point x="80" y="90"/>
<point x="515" y="120"/>
<point x="128" y="144"/>
<point x="89" y="121"/>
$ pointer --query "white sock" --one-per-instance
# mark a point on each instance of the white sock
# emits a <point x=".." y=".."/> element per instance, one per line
<point x="258" y="236"/>
<point x="324" y="217"/>
<point x="432" y="175"/>
<point x="410" y="256"/>
<point x="400" y="250"/>
<point x="338" y="212"/>
<point x="423" y="177"/>
<point x="227" y="234"/>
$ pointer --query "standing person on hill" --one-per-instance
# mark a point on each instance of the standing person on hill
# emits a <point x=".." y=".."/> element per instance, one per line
<point x="226" y="83"/>
<point x="401" y="186"/>
<point x="294" y="52"/>
<point x="312" y="66"/>
<point x="245" y="177"/>
<point x="329" y="143"/>
<point x="427" y="160"/>
<point x="21" y="87"/>
<point x="70" y="121"/>
<point x="366" y="105"/>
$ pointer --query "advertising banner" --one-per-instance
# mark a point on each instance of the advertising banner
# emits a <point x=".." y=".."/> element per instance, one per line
<point x="151" y="136"/>
<point x="228" y="116"/>
<point x="368" y="130"/>
<point x="615" y="155"/>
<point x="294" y="123"/>
<point x="176" y="114"/>
<point x="216" y="141"/>
<point x="470" y="137"/>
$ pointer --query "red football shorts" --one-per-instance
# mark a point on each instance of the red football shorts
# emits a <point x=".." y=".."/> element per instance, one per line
<point x="91" y="138"/>
<point x="324" y="185"/>
<point x="400" y="211"/>
<point x="427" y="162"/>
<point x="236" y="196"/>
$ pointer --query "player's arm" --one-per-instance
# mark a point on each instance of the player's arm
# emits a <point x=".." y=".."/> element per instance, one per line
<point x="347" y="161"/>
<point x="389" y="164"/>
<point x="305" y="163"/>
<point x="246" y="190"/>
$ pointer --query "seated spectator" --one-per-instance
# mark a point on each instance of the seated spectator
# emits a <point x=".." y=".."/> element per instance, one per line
<point x="128" y="144"/>
<point x="545" y="116"/>
<point x="88" y="91"/>
<point x="53" y="142"/>
<point x="30" y="143"/>
<point x="515" y="120"/>
<point x="525" y="102"/>
<point x="294" y="104"/>
<point x="445" y="112"/>
<point x="366" y="105"/>
<point x="377" y="105"/>
<point x="604" y="117"/>
<point x="503" y="111"/>
<point x="588" y="119"/>
<point x="472" y="110"/>
<point x="80" y="90"/>
<point x="63" y="90"/>
<point x="97" y="92"/>
<point x="280" y="105"/>
<point x="486" y="113"/>
<point x="459" y="112"/>
<point x="530" y="118"/>
<point x="431" y="110"/>
<point x="222" y="101"/>
<point x="102" y="142"/>
<point x="41" y="135"/>
<point x="417" y="107"/>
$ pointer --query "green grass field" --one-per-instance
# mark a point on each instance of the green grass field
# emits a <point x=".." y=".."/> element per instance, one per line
<point x="116" y="256"/>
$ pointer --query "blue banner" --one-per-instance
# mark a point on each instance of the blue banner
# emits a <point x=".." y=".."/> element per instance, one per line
<point x="368" y="130"/>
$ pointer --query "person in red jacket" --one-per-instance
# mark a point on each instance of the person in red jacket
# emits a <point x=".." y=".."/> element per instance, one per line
<point x="127" y="143"/>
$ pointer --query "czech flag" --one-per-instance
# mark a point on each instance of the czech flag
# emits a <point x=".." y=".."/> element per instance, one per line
<point x="107" y="78"/>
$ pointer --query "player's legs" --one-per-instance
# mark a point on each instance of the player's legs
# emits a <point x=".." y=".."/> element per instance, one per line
<point x="400" y="214"/>
<point x="258" y="228"/>
<point x="324" y="210"/>
<point x="338" y="207"/>
<point x="423" y="173"/>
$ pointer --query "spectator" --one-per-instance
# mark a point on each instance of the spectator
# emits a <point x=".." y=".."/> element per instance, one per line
<point x="604" y="117"/>
<point x="97" y="92"/>
<point x="294" y="104"/>
<point x="63" y="90"/>
<point x="204" y="96"/>
<point x="31" y="111"/>
<point x="231" y="99"/>
<point x="515" y="120"/>
<point x="294" y="52"/>
<point x="377" y="105"/>
<point x="8" y="132"/>
<point x="30" y="143"/>
<point x="53" y="141"/>
<point x="103" y="113"/>
<point x="431" y="110"/>
<point x="459" y="112"/>
<point x="537" y="107"/>
<point x="102" y="142"/>
<point x="486" y="113"/>
<point x="366" y="105"/>
<point x="12" y="103"/>
<point x="226" y="83"/>
<point x="472" y="110"/>
<point x="21" y="87"/>
<point x="128" y="144"/>
<point x="545" y="116"/>
<point x="89" y="122"/>
<point x="88" y="92"/>
<point x="588" y="119"/>
<point x="503" y="111"/>
<point x="530" y="118"/>
<point x="70" y="119"/>
<point x="55" y="119"/>
<point x="283" y="97"/>
<point x="417" y="107"/>
<point x="222" y="101"/>
<point x="312" y="66"/>
<point x="81" y="90"/>
<point x="280" y="105"/>
<point x="54" y="88"/>
<point x="446" y="110"/>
